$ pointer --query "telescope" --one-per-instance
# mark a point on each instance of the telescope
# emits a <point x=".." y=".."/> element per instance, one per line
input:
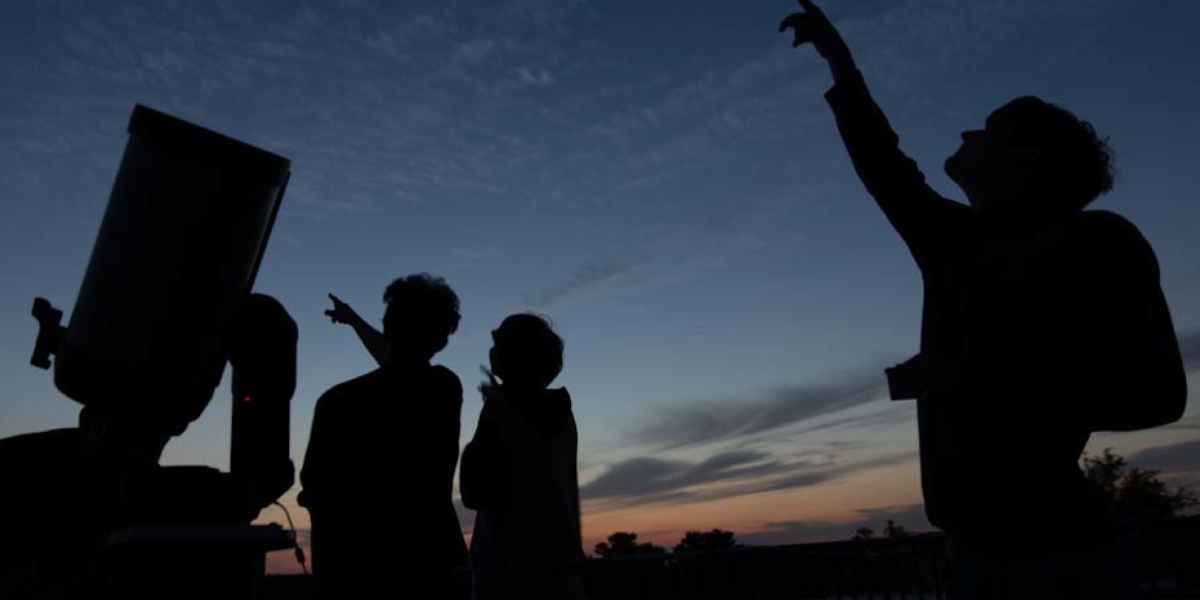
<point x="165" y="304"/>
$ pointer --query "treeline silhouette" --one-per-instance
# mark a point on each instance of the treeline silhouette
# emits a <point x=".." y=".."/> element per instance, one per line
<point x="624" y="544"/>
<point x="1127" y="491"/>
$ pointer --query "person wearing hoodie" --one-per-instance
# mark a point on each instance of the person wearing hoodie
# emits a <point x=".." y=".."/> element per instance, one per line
<point x="519" y="471"/>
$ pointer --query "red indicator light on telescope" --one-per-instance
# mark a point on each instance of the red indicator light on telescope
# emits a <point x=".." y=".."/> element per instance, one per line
<point x="246" y="399"/>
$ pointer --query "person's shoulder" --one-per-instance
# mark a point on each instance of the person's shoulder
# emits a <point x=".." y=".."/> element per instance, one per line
<point x="444" y="380"/>
<point x="347" y="390"/>
<point x="560" y="395"/>
<point x="1111" y="242"/>
<point x="562" y="398"/>
<point x="1104" y="223"/>
<point x="1110" y="231"/>
<point x="1104" y="227"/>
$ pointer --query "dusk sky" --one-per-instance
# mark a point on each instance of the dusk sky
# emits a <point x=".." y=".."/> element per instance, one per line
<point x="664" y="180"/>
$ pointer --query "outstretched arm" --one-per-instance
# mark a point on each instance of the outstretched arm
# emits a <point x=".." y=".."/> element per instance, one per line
<point x="483" y="476"/>
<point x="923" y="218"/>
<point x="372" y="338"/>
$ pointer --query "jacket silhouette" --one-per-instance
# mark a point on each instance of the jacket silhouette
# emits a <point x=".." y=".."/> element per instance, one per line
<point x="1057" y="327"/>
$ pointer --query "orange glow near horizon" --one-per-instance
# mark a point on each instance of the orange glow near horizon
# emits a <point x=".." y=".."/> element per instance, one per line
<point x="838" y="501"/>
<point x="833" y="502"/>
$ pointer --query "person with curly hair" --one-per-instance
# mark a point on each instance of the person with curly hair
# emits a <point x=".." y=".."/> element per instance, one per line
<point x="1042" y="323"/>
<point x="394" y="428"/>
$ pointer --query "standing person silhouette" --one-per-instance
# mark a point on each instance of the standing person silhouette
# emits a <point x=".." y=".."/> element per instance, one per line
<point x="1042" y="322"/>
<point x="379" y="470"/>
<point x="519" y="472"/>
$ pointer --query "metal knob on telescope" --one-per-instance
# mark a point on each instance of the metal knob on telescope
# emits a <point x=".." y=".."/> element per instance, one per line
<point x="50" y="332"/>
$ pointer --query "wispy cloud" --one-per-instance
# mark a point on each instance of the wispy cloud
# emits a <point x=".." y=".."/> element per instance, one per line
<point x="543" y="13"/>
<point x="761" y="412"/>
<point x="747" y="451"/>
<point x="367" y="99"/>
<point x="1181" y="457"/>
<point x="900" y="43"/>
<point x="653" y="478"/>
<point x="590" y="278"/>
<point x="650" y="480"/>
<point x="891" y="415"/>
<point x="534" y="76"/>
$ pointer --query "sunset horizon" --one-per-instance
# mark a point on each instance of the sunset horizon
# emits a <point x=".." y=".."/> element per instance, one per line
<point x="667" y="185"/>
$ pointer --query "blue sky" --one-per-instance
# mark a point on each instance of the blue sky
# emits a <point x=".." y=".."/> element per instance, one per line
<point x="663" y="180"/>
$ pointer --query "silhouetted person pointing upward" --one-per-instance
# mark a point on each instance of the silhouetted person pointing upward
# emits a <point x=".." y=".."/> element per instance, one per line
<point x="379" y="470"/>
<point x="372" y="339"/>
<point x="1042" y="322"/>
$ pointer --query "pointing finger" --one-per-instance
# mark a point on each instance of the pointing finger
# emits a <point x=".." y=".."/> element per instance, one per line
<point x="794" y="20"/>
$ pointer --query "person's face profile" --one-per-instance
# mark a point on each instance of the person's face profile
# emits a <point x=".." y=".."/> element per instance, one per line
<point x="494" y="361"/>
<point x="989" y="159"/>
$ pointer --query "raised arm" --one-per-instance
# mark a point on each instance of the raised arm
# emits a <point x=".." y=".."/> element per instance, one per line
<point x="924" y="219"/>
<point x="371" y="338"/>
<point x="483" y="476"/>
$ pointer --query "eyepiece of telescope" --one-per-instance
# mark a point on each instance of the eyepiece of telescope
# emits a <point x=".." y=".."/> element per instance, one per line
<point x="50" y="332"/>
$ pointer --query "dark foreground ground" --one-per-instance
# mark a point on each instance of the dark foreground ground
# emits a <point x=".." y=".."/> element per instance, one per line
<point x="1168" y="559"/>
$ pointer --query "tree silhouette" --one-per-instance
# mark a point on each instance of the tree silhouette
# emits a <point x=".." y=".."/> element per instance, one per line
<point x="623" y="543"/>
<point x="863" y="533"/>
<point x="891" y="531"/>
<point x="1132" y="492"/>
<point x="699" y="541"/>
<point x="894" y="532"/>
